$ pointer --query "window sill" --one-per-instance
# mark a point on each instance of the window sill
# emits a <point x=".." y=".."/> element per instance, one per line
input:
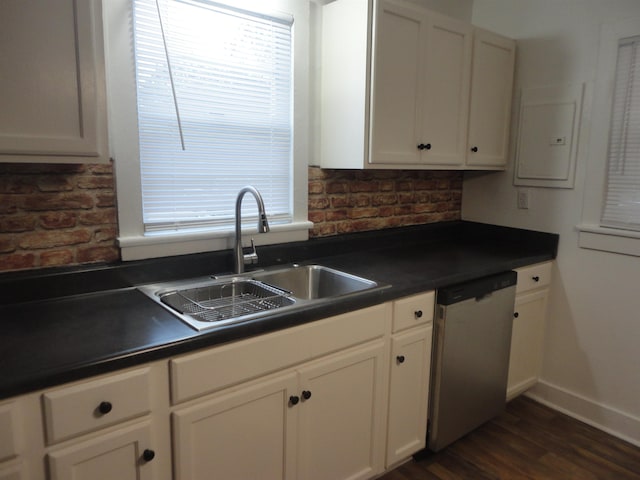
<point x="152" y="246"/>
<point x="612" y="240"/>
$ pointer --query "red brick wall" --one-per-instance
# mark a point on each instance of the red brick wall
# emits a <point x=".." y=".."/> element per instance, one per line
<point x="344" y="201"/>
<point x="52" y="215"/>
<point x="56" y="215"/>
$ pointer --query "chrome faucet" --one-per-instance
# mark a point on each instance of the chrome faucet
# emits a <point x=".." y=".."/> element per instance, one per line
<point x="239" y="258"/>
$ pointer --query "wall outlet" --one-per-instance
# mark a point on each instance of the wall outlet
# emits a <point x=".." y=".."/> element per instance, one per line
<point x="523" y="198"/>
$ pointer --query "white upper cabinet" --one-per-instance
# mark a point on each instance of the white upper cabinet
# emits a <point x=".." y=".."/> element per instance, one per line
<point x="407" y="88"/>
<point x="422" y="70"/>
<point x="52" y="87"/>
<point x="491" y="92"/>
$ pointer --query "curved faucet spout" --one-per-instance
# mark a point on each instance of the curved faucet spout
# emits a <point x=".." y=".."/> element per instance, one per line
<point x="240" y="259"/>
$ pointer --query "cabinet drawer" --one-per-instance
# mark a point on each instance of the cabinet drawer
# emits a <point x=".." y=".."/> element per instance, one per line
<point x="9" y="445"/>
<point x="210" y="370"/>
<point x="92" y="405"/>
<point x="412" y="311"/>
<point x="535" y="276"/>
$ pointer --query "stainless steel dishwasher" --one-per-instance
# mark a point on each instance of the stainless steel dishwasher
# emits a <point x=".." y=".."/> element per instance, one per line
<point x="472" y="339"/>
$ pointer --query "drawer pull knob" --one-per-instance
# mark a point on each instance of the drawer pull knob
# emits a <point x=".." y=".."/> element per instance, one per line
<point x="400" y="358"/>
<point x="418" y="313"/>
<point x="474" y="149"/>
<point x="306" y="394"/>
<point x="148" y="455"/>
<point x="535" y="279"/>
<point x="105" y="407"/>
<point x="516" y="314"/>
<point x="293" y="400"/>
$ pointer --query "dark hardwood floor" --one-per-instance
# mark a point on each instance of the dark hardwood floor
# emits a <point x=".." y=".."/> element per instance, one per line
<point x="528" y="441"/>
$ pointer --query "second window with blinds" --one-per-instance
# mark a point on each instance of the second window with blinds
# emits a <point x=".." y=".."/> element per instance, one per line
<point x="611" y="212"/>
<point x="622" y="205"/>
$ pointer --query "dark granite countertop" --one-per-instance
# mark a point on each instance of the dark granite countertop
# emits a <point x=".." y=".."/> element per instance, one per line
<point x="66" y="324"/>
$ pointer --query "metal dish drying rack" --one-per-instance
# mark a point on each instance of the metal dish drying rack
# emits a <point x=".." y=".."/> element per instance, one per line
<point x="217" y="303"/>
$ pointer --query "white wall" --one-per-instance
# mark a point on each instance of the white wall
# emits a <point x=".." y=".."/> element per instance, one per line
<point x="592" y="354"/>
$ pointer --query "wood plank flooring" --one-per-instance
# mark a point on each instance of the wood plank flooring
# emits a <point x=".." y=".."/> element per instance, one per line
<point x="528" y="441"/>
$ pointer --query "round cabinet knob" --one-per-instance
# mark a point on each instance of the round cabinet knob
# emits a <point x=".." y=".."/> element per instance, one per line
<point x="418" y="313"/>
<point x="424" y="146"/>
<point x="400" y="358"/>
<point x="306" y="394"/>
<point x="516" y="314"/>
<point x="294" y="399"/>
<point x="148" y="455"/>
<point x="105" y="407"/>
<point x="474" y="149"/>
<point x="535" y="279"/>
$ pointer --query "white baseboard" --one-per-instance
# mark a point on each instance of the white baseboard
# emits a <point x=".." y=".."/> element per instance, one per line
<point x="602" y="417"/>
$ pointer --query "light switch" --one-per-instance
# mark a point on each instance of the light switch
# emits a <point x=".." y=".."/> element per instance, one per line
<point x="523" y="198"/>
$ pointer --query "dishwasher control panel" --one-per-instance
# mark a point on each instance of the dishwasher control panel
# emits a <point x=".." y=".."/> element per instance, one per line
<point x="476" y="288"/>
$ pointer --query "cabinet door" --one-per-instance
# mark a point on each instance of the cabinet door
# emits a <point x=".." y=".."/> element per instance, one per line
<point x="124" y="454"/>
<point x="444" y="103"/>
<point x="15" y="472"/>
<point x="398" y="72"/>
<point x="248" y="433"/>
<point x="9" y="431"/>
<point x="527" y="341"/>
<point x="408" y="393"/>
<point x="422" y="70"/>
<point x="342" y="416"/>
<point x="53" y="105"/>
<point x="490" y="104"/>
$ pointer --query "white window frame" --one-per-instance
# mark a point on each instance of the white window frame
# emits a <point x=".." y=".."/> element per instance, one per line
<point x="591" y="234"/>
<point x="124" y="146"/>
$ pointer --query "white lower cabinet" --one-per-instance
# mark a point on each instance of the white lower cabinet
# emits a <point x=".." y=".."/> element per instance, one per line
<point x="246" y="433"/>
<point x="527" y="340"/>
<point x="527" y="337"/>
<point x="342" y="415"/>
<point x="103" y="428"/>
<point x="118" y="455"/>
<point x="408" y="393"/>
<point x="410" y="367"/>
<point x="320" y="420"/>
<point x="114" y="426"/>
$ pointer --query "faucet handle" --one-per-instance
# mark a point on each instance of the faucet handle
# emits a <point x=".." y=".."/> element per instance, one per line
<point x="251" y="258"/>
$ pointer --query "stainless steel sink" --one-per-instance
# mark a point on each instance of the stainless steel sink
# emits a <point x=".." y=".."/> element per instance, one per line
<point x="311" y="282"/>
<point x="211" y="302"/>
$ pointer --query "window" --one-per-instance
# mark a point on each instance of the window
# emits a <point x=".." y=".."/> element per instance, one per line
<point x="611" y="213"/>
<point x="202" y="97"/>
<point x="622" y="205"/>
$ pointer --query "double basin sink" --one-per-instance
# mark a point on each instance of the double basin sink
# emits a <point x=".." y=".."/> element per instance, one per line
<point x="213" y="302"/>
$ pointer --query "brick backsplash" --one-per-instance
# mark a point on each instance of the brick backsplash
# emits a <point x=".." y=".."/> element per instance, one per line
<point x="52" y="215"/>
<point x="345" y="201"/>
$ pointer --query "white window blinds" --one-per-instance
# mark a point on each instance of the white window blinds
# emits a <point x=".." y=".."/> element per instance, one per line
<point x="622" y="206"/>
<point x="214" y="89"/>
